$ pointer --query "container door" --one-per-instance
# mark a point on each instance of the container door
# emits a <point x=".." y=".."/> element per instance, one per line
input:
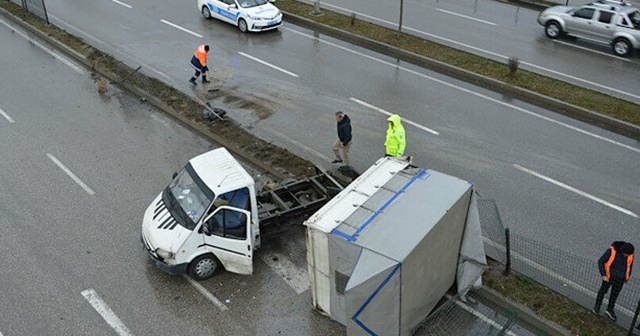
<point x="227" y="234"/>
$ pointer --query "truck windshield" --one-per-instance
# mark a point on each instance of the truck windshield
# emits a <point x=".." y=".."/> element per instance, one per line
<point x="187" y="197"/>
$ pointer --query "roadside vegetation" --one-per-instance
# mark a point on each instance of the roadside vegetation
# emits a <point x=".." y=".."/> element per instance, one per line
<point x="538" y="298"/>
<point x="572" y="94"/>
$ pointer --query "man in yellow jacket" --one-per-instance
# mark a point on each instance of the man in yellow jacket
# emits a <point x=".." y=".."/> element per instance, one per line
<point x="396" y="140"/>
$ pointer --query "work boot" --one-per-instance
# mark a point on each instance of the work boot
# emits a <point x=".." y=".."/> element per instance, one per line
<point x="205" y="80"/>
<point x="193" y="81"/>
<point x="611" y="314"/>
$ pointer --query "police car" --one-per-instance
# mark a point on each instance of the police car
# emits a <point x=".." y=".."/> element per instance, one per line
<point x="248" y="15"/>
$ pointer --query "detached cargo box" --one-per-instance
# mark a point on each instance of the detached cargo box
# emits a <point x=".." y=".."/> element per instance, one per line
<point x="384" y="251"/>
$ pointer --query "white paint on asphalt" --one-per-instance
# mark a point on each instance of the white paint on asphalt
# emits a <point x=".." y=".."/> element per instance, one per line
<point x="107" y="314"/>
<point x="575" y="190"/>
<point x="207" y="294"/>
<point x="591" y="50"/>
<point x="497" y="101"/>
<point x="268" y="64"/>
<point x="404" y="121"/>
<point x="71" y="174"/>
<point x="121" y="3"/>
<point x="466" y="17"/>
<point x="183" y="29"/>
<point x="294" y="276"/>
<point x="51" y="52"/>
<point x="6" y="116"/>
<point x="487" y="52"/>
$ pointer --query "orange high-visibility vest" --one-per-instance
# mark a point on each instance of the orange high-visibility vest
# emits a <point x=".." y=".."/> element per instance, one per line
<point x="607" y="265"/>
<point x="202" y="54"/>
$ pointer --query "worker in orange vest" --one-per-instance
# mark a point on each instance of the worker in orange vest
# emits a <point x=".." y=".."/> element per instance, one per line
<point x="199" y="63"/>
<point x="615" y="268"/>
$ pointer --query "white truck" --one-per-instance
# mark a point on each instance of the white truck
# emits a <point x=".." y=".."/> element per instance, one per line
<point x="210" y="215"/>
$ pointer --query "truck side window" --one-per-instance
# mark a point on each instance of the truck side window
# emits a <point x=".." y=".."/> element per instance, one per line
<point x="228" y="223"/>
<point x="605" y="17"/>
<point x="584" y="13"/>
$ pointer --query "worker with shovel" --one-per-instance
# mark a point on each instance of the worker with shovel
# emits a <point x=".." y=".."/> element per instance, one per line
<point x="199" y="63"/>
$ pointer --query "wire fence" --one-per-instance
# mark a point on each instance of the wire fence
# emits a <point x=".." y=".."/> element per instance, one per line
<point x="468" y="313"/>
<point x="35" y="7"/>
<point x="570" y="275"/>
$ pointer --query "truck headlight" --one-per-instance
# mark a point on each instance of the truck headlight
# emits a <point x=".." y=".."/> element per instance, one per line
<point x="164" y="254"/>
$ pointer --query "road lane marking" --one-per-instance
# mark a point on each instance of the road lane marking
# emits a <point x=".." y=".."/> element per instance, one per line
<point x="183" y="29"/>
<point x="404" y="121"/>
<point x="294" y="276"/>
<point x="121" y="3"/>
<point x="577" y="191"/>
<point x="207" y="294"/>
<point x="6" y="116"/>
<point x="591" y="50"/>
<point x="268" y="64"/>
<point x="466" y="17"/>
<point x="496" y="101"/>
<point x="71" y="174"/>
<point x="47" y="50"/>
<point x="392" y="24"/>
<point x="107" y="314"/>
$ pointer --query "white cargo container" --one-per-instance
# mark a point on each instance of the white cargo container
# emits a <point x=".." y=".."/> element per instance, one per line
<point x="384" y="251"/>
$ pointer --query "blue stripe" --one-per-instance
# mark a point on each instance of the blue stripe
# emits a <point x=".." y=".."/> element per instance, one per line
<point x="366" y="303"/>
<point x="423" y="175"/>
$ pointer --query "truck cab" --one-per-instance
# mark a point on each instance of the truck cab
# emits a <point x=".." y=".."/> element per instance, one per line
<point x="205" y="219"/>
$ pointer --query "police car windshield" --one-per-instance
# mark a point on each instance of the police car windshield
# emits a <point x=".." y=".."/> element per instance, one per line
<point x="251" y="3"/>
<point x="188" y="197"/>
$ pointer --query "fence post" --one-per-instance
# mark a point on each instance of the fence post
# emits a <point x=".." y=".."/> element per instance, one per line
<point x="635" y="319"/>
<point x="507" y="268"/>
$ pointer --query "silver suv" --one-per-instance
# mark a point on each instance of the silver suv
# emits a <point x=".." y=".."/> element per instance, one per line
<point x="611" y="22"/>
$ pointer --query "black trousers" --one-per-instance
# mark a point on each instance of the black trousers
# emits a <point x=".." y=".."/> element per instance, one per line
<point x="616" y="287"/>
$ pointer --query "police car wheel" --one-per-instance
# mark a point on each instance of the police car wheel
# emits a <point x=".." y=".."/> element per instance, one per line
<point x="206" y="13"/>
<point x="242" y="25"/>
<point x="204" y="267"/>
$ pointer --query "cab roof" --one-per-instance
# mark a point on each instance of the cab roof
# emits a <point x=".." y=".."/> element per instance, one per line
<point x="220" y="171"/>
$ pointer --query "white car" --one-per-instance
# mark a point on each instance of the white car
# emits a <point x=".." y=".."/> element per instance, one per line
<point x="248" y="15"/>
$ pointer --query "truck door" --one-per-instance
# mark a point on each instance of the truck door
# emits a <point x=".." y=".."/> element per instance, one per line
<point x="580" y="22"/>
<point x="603" y="27"/>
<point x="227" y="234"/>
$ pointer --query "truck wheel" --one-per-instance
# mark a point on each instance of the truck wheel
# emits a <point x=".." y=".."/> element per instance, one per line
<point x="622" y="47"/>
<point x="553" y="30"/>
<point x="204" y="267"/>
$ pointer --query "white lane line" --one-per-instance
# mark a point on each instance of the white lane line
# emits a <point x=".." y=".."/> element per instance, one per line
<point x="183" y="29"/>
<point x="577" y="191"/>
<point x="591" y="50"/>
<point x="71" y="174"/>
<point x="466" y="17"/>
<point x="121" y="3"/>
<point x="207" y="294"/>
<point x="294" y="276"/>
<point x="392" y="24"/>
<point x="496" y="101"/>
<point x="107" y="314"/>
<point x="47" y="50"/>
<point x="406" y="121"/>
<point x="268" y="64"/>
<point x="6" y="116"/>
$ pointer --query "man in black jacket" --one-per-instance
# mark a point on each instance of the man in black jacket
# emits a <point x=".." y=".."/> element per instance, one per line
<point x="615" y="268"/>
<point x="344" y="138"/>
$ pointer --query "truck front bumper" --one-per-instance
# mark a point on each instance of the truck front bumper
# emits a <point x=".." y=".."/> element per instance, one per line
<point x="171" y="269"/>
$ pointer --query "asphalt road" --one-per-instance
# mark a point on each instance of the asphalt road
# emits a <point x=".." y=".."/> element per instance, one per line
<point x="556" y="180"/>
<point x="77" y="172"/>
<point x="498" y="30"/>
